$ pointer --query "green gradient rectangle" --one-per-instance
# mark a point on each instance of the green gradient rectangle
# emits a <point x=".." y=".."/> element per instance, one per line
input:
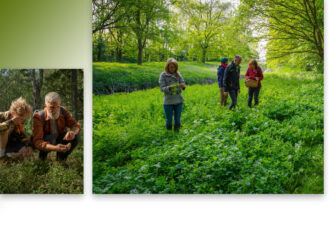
<point x="45" y="33"/>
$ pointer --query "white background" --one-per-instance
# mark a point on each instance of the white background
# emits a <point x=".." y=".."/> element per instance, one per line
<point x="165" y="211"/>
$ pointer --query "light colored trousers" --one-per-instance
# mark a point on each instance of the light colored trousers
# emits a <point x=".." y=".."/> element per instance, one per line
<point x="223" y="98"/>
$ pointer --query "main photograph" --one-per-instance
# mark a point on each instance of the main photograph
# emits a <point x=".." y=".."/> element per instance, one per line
<point x="208" y="97"/>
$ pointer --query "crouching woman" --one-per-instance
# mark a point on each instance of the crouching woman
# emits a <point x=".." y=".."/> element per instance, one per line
<point x="13" y="141"/>
<point x="172" y="84"/>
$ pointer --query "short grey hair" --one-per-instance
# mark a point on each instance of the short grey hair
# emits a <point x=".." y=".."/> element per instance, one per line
<point x="52" y="97"/>
<point x="238" y="57"/>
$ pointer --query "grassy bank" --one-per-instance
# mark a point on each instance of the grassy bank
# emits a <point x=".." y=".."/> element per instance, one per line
<point x="109" y="78"/>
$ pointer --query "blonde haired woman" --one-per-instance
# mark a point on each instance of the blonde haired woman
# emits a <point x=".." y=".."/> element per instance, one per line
<point x="172" y="84"/>
<point x="13" y="142"/>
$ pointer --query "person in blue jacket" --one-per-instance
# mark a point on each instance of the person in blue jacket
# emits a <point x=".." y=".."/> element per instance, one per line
<point x="221" y="73"/>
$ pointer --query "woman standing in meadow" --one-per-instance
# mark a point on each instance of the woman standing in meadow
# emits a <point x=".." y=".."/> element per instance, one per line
<point x="172" y="83"/>
<point x="254" y="72"/>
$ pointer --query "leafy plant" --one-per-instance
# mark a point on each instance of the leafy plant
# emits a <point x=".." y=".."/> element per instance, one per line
<point x="276" y="147"/>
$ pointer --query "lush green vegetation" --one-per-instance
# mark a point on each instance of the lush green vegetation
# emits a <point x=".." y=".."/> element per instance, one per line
<point x="142" y="31"/>
<point x="36" y="176"/>
<point x="294" y="31"/>
<point x="109" y="78"/>
<point x="116" y="77"/>
<point x="276" y="147"/>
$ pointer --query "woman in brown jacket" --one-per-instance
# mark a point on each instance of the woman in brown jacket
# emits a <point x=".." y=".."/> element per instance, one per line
<point x="13" y="141"/>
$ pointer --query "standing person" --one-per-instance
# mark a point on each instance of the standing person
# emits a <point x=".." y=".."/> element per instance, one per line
<point x="254" y="72"/>
<point x="172" y="83"/>
<point x="231" y="80"/>
<point x="49" y="131"/>
<point x="13" y="141"/>
<point x="221" y="72"/>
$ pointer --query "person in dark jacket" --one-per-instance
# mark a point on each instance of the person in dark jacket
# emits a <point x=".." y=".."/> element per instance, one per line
<point x="254" y="72"/>
<point x="221" y="72"/>
<point x="231" y="80"/>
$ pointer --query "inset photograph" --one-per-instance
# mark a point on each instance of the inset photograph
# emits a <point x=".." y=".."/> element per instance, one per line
<point x="208" y="97"/>
<point x="41" y="131"/>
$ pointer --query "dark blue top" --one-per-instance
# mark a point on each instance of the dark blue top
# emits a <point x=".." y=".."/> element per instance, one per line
<point x="221" y="73"/>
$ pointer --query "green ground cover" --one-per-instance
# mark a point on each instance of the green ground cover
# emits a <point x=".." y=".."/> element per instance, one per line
<point x="44" y="177"/>
<point x="276" y="147"/>
<point x="109" y="78"/>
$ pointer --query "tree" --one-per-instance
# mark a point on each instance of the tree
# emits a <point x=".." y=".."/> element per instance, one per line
<point x="106" y="13"/>
<point x="291" y="27"/>
<point x="74" y="92"/>
<point x="145" y="17"/>
<point x="205" y="21"/>
<point x="36" y="87"/>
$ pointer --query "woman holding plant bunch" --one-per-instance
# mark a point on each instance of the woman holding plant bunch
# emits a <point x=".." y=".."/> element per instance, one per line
<point x="172" y="84"/>
<point x="254" y="72"/>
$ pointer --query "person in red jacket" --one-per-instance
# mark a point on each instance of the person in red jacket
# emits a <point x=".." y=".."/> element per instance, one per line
<point x="254" y="72"/>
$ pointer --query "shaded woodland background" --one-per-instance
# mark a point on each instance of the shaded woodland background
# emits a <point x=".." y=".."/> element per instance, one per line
<point x="34" y="84"/>
<point x="33" y="175"/>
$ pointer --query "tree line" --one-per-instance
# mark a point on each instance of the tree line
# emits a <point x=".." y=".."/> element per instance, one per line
<point x="154" y="30"/>
<point x="195" y="30"/>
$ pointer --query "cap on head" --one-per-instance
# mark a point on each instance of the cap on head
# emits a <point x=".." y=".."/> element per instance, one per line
<point x="52" y="97"/>
<point x="223" y="60"/>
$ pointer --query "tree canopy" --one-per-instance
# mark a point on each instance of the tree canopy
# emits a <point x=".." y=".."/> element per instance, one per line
<point x="294" y="29"/>
<point x="148" y="30"/>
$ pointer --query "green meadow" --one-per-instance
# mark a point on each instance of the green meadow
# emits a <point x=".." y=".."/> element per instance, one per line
<point x="276" y="147"/>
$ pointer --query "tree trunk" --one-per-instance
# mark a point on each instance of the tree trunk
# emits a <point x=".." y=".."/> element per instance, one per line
<point x="119" y="54"/>
<point x="41" y="78"/>
<point x="204" y="55"/>
<point x="140" y="52"/>
<point x="36" y="86"/>
<point x="99" y="54"/>
<point x="74" y="93"/>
